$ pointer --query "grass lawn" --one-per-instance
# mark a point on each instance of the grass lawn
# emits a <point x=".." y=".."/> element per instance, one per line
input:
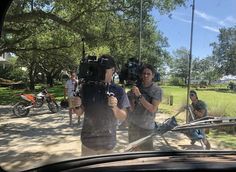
<point x="224" y="139"/>
<point x="219" y="103"/>
<point x="9" y="96"/>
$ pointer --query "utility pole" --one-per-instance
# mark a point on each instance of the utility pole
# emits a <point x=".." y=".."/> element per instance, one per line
<point x="190" y="60"/>
<point x="140" y="30"/>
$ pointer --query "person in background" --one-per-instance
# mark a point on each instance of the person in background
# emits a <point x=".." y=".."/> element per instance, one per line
<point x="199" y="110"/>
<point x="69" y="93"/>
<point x="145" y="99"/>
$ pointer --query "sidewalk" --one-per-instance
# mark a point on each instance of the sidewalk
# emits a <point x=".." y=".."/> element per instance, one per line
<point x="43" y="138"/>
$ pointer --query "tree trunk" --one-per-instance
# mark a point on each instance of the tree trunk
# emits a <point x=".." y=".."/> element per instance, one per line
<point x="31" y="82"/>
<point x="50" y="80"/>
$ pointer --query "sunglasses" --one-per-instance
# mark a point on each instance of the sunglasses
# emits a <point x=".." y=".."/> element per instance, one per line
<point x="145" y="73"/>
<point x="192" y="94"/>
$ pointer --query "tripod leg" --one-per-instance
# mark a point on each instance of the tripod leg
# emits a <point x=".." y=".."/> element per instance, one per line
<point x="191" y="113"/>
<point x="165" y="140"/>
<point x="203" y="145"/>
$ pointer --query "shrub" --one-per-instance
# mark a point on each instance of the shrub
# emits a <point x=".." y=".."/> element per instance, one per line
<point x="176" y="82"/>
<point x="232" y="86"/>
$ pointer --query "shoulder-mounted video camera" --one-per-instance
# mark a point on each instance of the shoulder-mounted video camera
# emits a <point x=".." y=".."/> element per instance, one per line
<point x="92" y="75"/>
<point x="130" y="71"/>
<point x="91" y="70"/>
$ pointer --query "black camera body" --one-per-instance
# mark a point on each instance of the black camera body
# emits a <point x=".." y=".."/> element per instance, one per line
<point x="130" y="71"/>
<point x="91" y="70"/>
<point x="93" y="90"/>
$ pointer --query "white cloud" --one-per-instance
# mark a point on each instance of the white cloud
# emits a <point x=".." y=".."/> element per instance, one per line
<point x="222" y="23"/>
<point x="230" y="19"/>
<point x="216" y="22"/>
<point x="213" y="29"/>
<point x="205" y="16"/>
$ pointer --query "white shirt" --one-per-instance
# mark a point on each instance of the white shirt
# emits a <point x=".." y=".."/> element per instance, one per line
<point x="70" y="86"/>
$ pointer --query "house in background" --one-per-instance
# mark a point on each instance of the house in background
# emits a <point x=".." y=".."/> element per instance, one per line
<point x="227" y="79"/>
<point x="3" y="60"/>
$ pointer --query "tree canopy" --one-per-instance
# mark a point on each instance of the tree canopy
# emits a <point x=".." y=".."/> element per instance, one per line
<point x="224" y="51"/>
<point x="36" y="30"/>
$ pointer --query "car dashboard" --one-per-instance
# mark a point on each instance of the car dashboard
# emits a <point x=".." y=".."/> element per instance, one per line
<point x="150" y="161"/>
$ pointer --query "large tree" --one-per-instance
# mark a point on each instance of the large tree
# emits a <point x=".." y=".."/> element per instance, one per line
<point x="40" y="27"/>
<point x="205" y="69"/>
<point x="224" y="51"/>
<point x="179" y="67"/>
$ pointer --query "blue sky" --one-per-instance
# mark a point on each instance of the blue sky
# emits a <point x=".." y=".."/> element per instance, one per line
<point x="209" y="16"/>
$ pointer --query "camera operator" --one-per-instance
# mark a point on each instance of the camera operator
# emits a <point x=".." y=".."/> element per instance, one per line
<point x="145" y="99"/>
<point x="199" y="109"/>
<point x="101" y="116"/>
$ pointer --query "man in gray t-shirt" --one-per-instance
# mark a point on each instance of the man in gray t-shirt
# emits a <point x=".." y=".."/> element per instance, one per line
<point x="145" y="99"/>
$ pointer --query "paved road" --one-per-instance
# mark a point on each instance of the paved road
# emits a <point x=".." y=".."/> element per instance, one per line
<point x="43" y="138"/>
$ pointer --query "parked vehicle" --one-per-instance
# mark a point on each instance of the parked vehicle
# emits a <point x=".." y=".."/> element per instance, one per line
<point x="29" y="101"/>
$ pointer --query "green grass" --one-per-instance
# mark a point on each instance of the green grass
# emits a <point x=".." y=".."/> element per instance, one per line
<point x="219" y="103"/>
<point x="225" y="140"/>
<point x="9" y="96"/>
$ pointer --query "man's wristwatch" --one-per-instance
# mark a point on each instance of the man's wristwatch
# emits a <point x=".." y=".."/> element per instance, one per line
<point x="139" y="97"/>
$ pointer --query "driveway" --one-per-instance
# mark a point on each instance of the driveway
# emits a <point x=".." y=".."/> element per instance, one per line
<point x="43" y="138"/>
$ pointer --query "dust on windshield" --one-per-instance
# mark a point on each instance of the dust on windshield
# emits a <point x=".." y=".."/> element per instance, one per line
<point x="87" y="78"/>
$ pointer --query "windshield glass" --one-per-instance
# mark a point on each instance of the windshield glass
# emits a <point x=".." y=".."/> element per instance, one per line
<point x="87" y="78"/>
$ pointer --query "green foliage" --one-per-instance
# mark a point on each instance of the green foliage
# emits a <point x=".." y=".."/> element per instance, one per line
<point x="11" y="96"/>
<point x="18" y="74"/>
<point x="224" y="51"/>
<point x="174" y="81"/>
<point x="232" y="86"/>
<point x="201" y="72"/>
<point x="13" y="73"/>
<point x="179" y="67"/>
<point x="42" y="32"/>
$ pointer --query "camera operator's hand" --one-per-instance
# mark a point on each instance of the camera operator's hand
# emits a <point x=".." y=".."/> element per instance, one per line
<point x="112" y="101"/>
<point x="136" y="91"/>
<point x="120" y="114"/>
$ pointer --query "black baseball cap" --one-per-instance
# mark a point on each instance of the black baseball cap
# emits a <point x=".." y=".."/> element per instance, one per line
<point x="107" y="61"/>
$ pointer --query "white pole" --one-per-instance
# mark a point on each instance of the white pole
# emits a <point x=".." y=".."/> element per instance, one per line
<point x="190" y="60"/>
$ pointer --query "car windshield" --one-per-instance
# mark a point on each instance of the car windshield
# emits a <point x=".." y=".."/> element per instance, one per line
<point x="87" y="78"/>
